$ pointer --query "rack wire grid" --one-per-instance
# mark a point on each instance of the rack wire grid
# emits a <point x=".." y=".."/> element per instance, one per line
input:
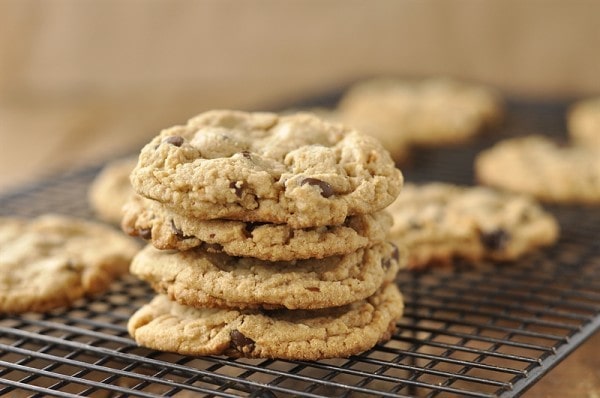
<point x="486" y="331"/>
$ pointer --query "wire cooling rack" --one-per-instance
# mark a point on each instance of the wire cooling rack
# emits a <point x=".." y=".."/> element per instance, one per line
<point x="486" y="331"/>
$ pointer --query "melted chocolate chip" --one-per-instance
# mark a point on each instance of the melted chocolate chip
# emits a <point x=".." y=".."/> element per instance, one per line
<point x="414" y="224"/>
<point x="395" y="252"/>
<point x="238" y="190"/>
<point x="313" y="289"/>
<point x="495" y="240"/>
<point x="326" y="190"/>
<point x="70" y="266"/>
<point x="175" y="140"/>
<point x="386" y="264"/>
<point x="145" y="233"/>
<point x="178" y="232"/>
<point x="250" y="227"/>
<point x="241" y="343"/>
<point x="526" y="216"/>
<point x="213" y="247"/>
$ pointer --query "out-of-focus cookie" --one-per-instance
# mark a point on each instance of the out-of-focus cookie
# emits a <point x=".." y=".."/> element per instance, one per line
<point x="297" y="335"/>
<point x="437" y="222"/>
<point x="53" y="260"/>
<point x="166" y="229"/>
<point x="426" y="112"/>
<point x="111" y="189"/>
<point x="537" y="166"/>
<point x="201" y="279"/>
<point x="583" y="122"/>
<point x="261" y="167"/>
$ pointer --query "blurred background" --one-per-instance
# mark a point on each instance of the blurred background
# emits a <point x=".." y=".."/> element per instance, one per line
<point x="83" y="80"/>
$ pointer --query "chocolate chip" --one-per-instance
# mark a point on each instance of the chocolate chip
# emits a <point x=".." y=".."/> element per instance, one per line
<point x="386" y="264"/>
<point x="250" y="227"/>
<point x="526" y="216"/>
<point x="326" y="190"/>
<point x="175" y="140"/>
<point x="237" y="189"/>
<point x="395" y="256"/>
<point x="240" y="342"/>
<point x="313" y="289"/>
<point x="213" y="247"/>
<point x="145" y="233"/>
<point x="247" y="154"/>
<point x="414" y="224"/>
<point x="288" y="236"/>
<point x="495" y="240"/>
<point x="70" y="266"/>
<point x="395" y="252"/>
<point x="178" y="232"/>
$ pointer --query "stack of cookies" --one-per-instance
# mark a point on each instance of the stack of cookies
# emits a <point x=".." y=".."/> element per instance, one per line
<point x="268" y="238"/>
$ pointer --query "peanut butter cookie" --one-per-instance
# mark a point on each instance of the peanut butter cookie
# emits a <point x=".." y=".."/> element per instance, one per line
<point x="201" y="279"/>
<point x="583" y="121"/>
<point x="537" y="166"/>
<point x="437" y="222"/>
<point x="288" y="334"/>
<point x="261" y="167"/>
<point x="167" y="229"/>
<point x="424" y="112"/>
<point x="53" y="260"/>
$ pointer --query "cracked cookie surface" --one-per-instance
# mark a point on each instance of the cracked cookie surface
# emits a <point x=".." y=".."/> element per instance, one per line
<point x="53" y="260"/>
<point x="261" y="167"/>
<point x="291" y="334"/>
<point x="437" y="222"/>
<point x="167" y="229"/>
<point x="202" y="279"/>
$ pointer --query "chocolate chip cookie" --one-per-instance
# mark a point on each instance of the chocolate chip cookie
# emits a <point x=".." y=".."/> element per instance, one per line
<point x="437" y="222"/>
<point x="261" y="167"/>
<point x="201" y="279"/>
<point x="53" y="260"/>
<point x="425" y="112"/>
<point x="296" y="335"/>
<point x="583" y="122"/>
<point x="111" y="189"/>
<point x="167" y="229"/>
<point x="537" y="166"/>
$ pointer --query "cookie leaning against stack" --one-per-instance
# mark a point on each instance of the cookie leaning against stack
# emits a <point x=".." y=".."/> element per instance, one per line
<point x="272" y="233"/>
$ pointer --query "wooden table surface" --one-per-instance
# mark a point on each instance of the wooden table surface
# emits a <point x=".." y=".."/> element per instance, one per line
<point x="84" y="81"/>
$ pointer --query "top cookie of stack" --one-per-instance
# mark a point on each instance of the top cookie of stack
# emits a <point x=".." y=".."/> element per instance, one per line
<point x="262" y="167"/>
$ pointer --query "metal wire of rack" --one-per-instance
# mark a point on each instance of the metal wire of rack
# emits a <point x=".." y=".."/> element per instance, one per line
<point x="490" y="330"/>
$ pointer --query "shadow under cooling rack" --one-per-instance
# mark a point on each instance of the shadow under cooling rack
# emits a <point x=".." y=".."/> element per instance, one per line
<point x="485" y="331"/>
